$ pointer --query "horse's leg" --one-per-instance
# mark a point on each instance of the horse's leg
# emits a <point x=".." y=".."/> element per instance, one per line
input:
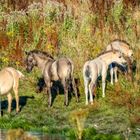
<point x="115" y="71"/>
<point x="17" y="98"/>
<point x="103" y="83"/>
<point x="111" y="73"/>
<point x="91" y="85"/>
<point x="15" y="89"/>
<point x="9" y="101"/>
<point x="65" y="86"/>
<point x="75" y="90"/>
<point x="49" y="94"/>
<point x="48" y="89"/>
<point x="86" y="83"/>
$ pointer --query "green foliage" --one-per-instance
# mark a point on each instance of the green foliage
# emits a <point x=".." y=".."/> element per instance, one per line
<point x="89" y="133"/>
<point x="117" y="12"/>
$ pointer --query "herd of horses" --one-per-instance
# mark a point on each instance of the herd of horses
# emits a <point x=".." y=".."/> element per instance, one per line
<point x="62" y="69"/>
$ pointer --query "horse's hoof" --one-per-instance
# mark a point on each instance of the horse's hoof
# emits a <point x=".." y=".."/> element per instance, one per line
<point x="17" y="113"/>
<point x="66" y="104"/>
<point x="77" y="100"/>
<point x="86" y="103"/>
<point x="49" y="105"/>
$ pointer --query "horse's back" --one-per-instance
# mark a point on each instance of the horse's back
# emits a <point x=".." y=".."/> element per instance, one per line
<point x="62" y="67"/>
<point x="64" y="61"/>
<point x="9" y="77"/>
<point x="6" y="81"/>
<point x="95" y="66"/>
<point x="118" y="45"/>
<point x="16" y="73"/>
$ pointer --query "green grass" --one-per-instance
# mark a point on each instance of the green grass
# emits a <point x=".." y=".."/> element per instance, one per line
<point x="109" y="120"/>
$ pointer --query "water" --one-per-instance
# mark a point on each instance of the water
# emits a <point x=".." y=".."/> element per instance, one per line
<point x="2" y="135"/>
<point x="39" y="135"/>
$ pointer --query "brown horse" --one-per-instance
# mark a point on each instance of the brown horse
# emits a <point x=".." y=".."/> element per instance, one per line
<point x="52" y="70"/>
<point x="9" y="79"/>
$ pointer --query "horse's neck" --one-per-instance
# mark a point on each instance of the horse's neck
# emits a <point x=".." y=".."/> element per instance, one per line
<point x="41" y="63"/>
<point x="106" y="59"/>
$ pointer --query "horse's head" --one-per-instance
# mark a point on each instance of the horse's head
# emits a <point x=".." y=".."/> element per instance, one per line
<point x="123" y="47"/>
<point x="118" y="58"/>
<point x="126" y="51"/>
<point x="30" y="61"/>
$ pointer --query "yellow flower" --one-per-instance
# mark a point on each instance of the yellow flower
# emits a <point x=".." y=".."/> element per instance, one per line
<point x="17" y="63"/>
<point x="10" y="33"/>
<point x="5" y="60"/>
<point x="88" y="29"/>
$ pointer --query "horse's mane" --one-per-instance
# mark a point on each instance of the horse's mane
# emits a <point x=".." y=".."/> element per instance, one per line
<point x="105" y="52"/>
<point x="41" y="53"/>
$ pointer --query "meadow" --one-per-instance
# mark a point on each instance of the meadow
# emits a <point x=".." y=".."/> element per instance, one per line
<point x="79" y="30"/>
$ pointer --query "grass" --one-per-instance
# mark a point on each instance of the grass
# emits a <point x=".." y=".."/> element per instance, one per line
<point x="109" y="118"/>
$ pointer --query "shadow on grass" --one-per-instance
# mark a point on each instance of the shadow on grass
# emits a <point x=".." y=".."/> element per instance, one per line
<point x="22" y="102"/>
<point x="57" y="88"/>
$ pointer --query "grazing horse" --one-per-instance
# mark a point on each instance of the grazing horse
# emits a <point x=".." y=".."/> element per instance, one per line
<point x="124" y="48"/>
<point x="94" y="68"/>
<point x="52" y="70"/>
<point x="9" y="79"/>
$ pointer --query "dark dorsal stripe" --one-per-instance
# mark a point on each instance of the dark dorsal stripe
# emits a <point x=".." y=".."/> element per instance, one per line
<point x="121" y="41"/>
<point x="41" y="53"/>
<point x="105" y="52"/>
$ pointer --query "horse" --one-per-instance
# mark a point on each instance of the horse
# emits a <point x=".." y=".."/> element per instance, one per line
<point x="92" y="69"/>
<point x="124" y="48"/>
<point x="9" y="79"/>
<point x="52" y="70"/>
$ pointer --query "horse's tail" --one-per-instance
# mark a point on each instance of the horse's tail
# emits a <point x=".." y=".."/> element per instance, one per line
<point x="87" y="72"/>
<point x="86" y="75"/>
<point x="70" y="69"/>
<point x="87" y="79"/>
<point x="13" y="71"/>
<point x="71" y="78"/>
<point x="21" y="75"/>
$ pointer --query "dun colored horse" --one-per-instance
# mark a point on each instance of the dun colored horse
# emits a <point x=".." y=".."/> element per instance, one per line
<point x="94" y="68"/>
<point x="9" y="79"/>
<point x="124" y="48"/>
<point x="52" y="70"/>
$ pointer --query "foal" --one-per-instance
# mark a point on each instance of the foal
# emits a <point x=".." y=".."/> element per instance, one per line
<point x="94" y="68"/>
<point x="9" y="79"/>
<point x="52" y="70"/>
<point x="124" y="48"/>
